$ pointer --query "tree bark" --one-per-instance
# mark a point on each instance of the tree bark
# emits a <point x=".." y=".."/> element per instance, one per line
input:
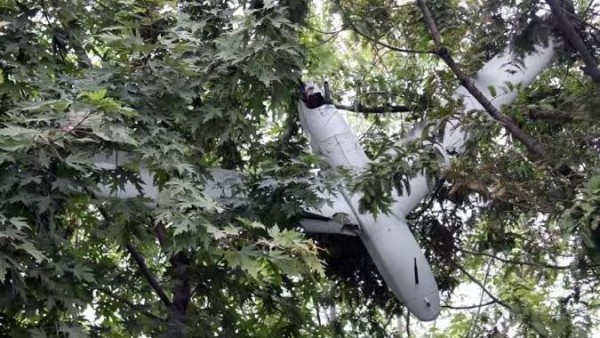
<point x="182" y="290"/>
<point x="532" y="145"/>
<point x="182" y="293"/>
<point x="591" y="66"/>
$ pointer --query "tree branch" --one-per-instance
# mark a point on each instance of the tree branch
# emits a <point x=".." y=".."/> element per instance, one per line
<point x="182" y="290"/>
<point x="591" y="67"/>
<point x="349" y="22"/>
<point x="130" y="304"/>
<point x="468" y="307"/>
<point x="475" y="318"/>
<point x="532" y="145"/>
<point x="333" y="36"/>
<point x="141" y="264"/>
<point x="182" y="294"/>
<point x="430" y="22"/>
<point x="516" y="262"/>
<point x="148" y="274"/>
<point x="540" y="331"/>
<point x="408" y="324"/>
<point x="284" y="141"/>
<point x="397" y="49"/>
<point x="487" y="292"/>
<point x="138" y="259"/>
<point x="551" y="115"/>
<point x="161" y="234"/>
<point x="374" y="110"/>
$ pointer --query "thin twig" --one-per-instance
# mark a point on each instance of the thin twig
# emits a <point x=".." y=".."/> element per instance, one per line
<point x="468" y="307"/>
<point x="69" y="129"/>
<point x="476" y="318"/>
<point x="324" y="32"/>
<point x="517" y="262"/>
<point x="333" y="36"/>
<point x="318" y="310"/>
<point x="408" y="324"/>
<point x="487" y="292"/>
<point x="374" y="110"/>
<point x="394" y="48"/>
<point x="350" y="23"/>
<point x="507" y="306"/>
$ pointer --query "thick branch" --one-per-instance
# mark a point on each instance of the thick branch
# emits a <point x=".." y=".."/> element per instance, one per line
<point x="374" y="110"/>
<point x="161" y="234"/>
<point x="182" y="294"/>
<point x="148" y="274"/>
<point x="430" y="22"/>
<point x="591" y="67"/>
<point x="283" y="144"/>
<point x="182" y="290"/>
<point x="508" y="123"/>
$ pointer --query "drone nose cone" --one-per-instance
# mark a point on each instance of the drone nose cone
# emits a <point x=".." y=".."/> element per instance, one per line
<point x="426" y="308"/>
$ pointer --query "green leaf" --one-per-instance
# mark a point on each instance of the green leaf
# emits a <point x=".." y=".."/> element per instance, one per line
<point x="30" y="249"/>
<point x="84" y="273"/>
<point x="96" y="96"/>
<point x="19" y="223"/>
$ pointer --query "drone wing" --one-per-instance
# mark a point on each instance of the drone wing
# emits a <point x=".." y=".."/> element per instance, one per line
<point x="333" y="217"/>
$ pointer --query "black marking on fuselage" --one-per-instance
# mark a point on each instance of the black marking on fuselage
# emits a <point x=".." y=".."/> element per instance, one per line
<point x="416" y="271"/>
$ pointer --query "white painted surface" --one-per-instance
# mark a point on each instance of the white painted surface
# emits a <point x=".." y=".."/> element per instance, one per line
<point x="496" y="73"/>
<point x="387" y="238"/>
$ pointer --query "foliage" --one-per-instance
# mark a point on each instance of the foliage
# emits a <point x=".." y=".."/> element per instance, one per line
<point x="186" y="86"/>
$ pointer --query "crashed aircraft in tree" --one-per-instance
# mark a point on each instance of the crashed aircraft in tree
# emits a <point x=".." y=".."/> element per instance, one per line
<point x="387" y="237"/>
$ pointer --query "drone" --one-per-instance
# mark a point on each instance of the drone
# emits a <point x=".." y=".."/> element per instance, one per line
<point x="387" y="237"/>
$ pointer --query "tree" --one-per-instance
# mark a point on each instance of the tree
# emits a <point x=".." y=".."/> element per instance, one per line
<point x="498" y="220"/>
<point x="192" y="85"/>
<point x="184" y="88"/>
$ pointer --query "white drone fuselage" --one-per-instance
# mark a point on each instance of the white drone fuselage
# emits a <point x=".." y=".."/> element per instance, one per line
<point x="387" y="237"/>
